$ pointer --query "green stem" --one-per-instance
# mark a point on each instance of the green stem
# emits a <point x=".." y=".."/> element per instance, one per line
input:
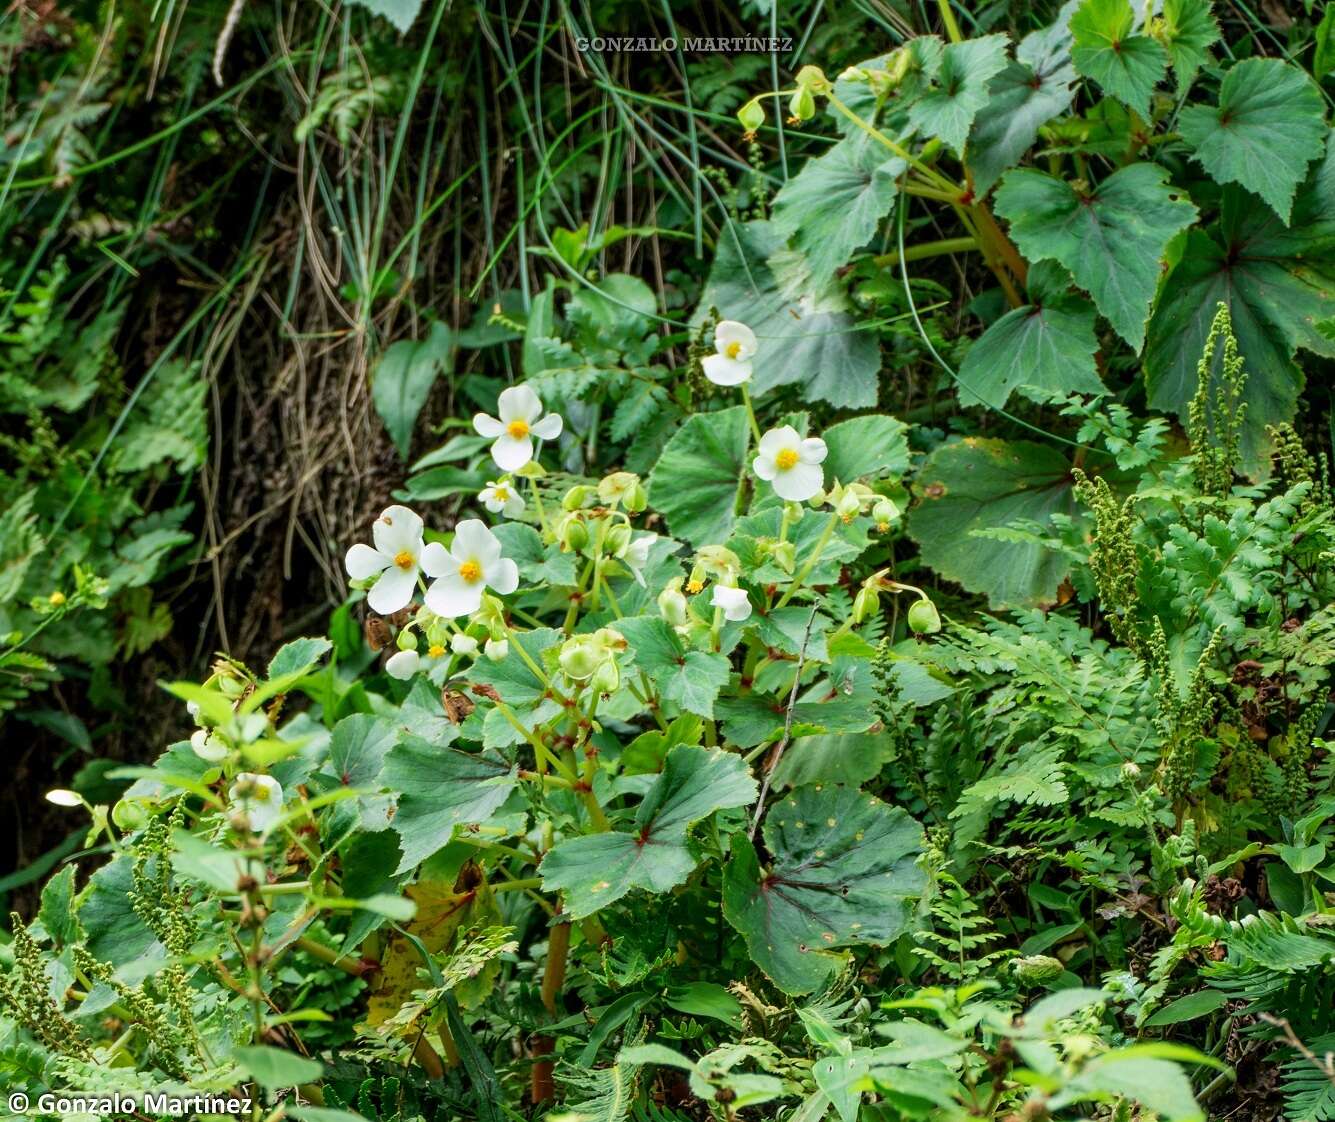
<point x="933" y="177"/>
<point x="928" y="249"/>
<point x="948" y="18"/>
<point x="750" y="413"/>
<point x="812" y="561"/>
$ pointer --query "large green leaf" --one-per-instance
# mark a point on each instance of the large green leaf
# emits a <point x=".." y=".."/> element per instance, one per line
<point x="1269" y="125"/>
<point x="873" y="444"/>
<point x="598" y="869"/>
<point x="947" y="110"/>
<point x="833" y="205"/>
<point x="843" y="872"/>
<point x="805" y="328"/>
<point x="1276" y="282"/>
<point x="357" y="751"/>
<point x="695" y="483"/>
<point x="1112" y="239"/>
<point x="1021" y="99"/>
<point x="1127" y="64"/>
<point x="440" y="789"/>
<point x="689" y="678"/>
<point x="1049" y="344"/>
<point x="403" y="379"/>
<point x="977" y="484"/>
<point x="1188" y="32"/>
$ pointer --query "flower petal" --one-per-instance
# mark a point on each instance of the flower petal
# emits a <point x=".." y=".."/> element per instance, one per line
<point x="514" y="506"/>
<point x="549" y="428"/>
<point x="511" y="454"/>
<point x="813" y="450"/>
<point x="725" y="371"/>
<point x="764" y="467"/>
<point x="774" y="441"/>
<point x="799" y="483"/>
<point x="487" y="426"/>
<point x="730" y="331"/>
<point x="393" y="591"/>
<point x="396" y="530"/>
<point x="436" y="560"/>
<point x="453" y="596"/>
<point x="474" y="542"/>
<point x="363" y="562"/>
<point x="403" y="665"/>
<point x="503" y="576"/>
<point x="518" y="403"/>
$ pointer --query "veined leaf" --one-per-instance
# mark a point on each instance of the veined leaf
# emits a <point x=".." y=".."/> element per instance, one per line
<point x="689" y="678"/>
<point x="1127" y="64"/>
<point x="403" y="379"/>
<point x="439" y="789"/>
<point x="834" y="204"/>
<point x="1189" y="31"/>
<point x="1112" y="239"/>
<point x="870" y="445"/>
<point x="1049" y="344"/>
<point x="947" y="110"/>
<point x="1269" y="125"/>
<point x="843" y="873"/>
<point x="598" y="869"/>
<point x="401" y="13"/>
<point x="985" y="484"/>
<point x="806" y="333"/>
<point x="696" y="480"/>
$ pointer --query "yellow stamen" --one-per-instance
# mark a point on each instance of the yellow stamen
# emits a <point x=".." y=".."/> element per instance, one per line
<point x="517" y="429"/>
<point x="435" y="650"/>
<point x="471" y="571"/>
<point x="786" y="459"/>
<point x="694" y="586"/>
<point x="56" y="599"/>
<point x="259" y="793"/>
<point x="732" y="350"/>
<point x="502" y="494"/>
<point x="404" y="560"/>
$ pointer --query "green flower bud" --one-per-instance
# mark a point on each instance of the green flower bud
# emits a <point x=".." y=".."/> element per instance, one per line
<point x="129" y="814"/>
<point x="617" y="540"/>
<point x="751" y="116"/>
<point x="579" y="658"/>
<point x="1036" y="969"/>
<point x="802" y="106"/>
<point x="407" y="640"/>
<point x="813" y="78"/>
<point x="574" y="498"/>
<point x="865" y="603"/>
<point x="638" y="498"/>
<point x="885" y="512"/>
<point x="848" y="506"/>
<point x="923" y="618"/>
<point x="573" y="534"/>
<point x="607" y="678"/>
<point x="614" y="488"/>
<point x="785" y="556"/>
<point x="672" y="604"/>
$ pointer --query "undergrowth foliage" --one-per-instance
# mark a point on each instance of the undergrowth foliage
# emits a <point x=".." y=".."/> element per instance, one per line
<point x="857" y="646"/>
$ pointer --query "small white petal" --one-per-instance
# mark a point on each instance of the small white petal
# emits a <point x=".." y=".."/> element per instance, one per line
<point x="208" y="745"/>
<point x="393" y="591"/>
<point x="735" y="603"/>
<point x="436" y="560"/>
<point x="813" y="450"/>
<point x="503" y="576"/>
<point x="61" y="797"/>
<point x="262" y="803"/>
<point x="363" y="562"/>
<point x="487" y="426"/>
<point x="403" y="665"/>
<point x="453" y="596"/>
<point x="497" y="649"/>
<point x="725" y="371"/>
<point x="763" y="466"/>
<point x="511" y="453"/>
<point x="463" y="645"/>
<point x="474" y="542"/>
<point x="518" y="403"/>
<point x="398" y="530"/>
<point x="799" y="483"/>
<point x="514" y="506"/>
<point x="729" y="331"/>
<point x="549" y="428"/>
<point x="774" y="441"/>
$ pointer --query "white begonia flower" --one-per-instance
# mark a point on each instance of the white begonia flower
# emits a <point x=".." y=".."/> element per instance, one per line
<point x="403" y="665"/>
<point x="497" y="649"/>
<point x="208" y="745"/>
<point x="259" y="798"/>
<point x="396" y="557"/>
<point x="637" y="556"/>
<point x="462" y="644"/>
<point x="502" y="498"/>
<point x="791" y="463"/>
<point x="735" y="344"/>
<point x="736" y="604"/>
<point x="472" y="564"/>
<point x="520" y="421"/>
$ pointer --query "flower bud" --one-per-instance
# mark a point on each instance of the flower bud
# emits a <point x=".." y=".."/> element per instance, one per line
<point x="1037" y="969"/>
<point x="129" y="814"/>
<point x="463" y="645"/>
<point x="751" y="116"/>
<point x="617" y="540"/>
<point x="573" y="533"/>
<point x="672" y="604"/>
<point x="848" y="506"/>
<point x="785" y="556"/>
<point x="496" y="649"/>
<point x="579" y="658"/>
<point x="923" y="618"/>
<point x="802" y="106"/>
<point x="885" y="512"/>
<point x="865" y="603"/>
<point x="813" y="78"/>
<point x="638" y="498"/>
<point x="574" y="498"/>
<point x="406" y="641"/>
<point x="614" y="488"/>
<point x="607" y="678"/>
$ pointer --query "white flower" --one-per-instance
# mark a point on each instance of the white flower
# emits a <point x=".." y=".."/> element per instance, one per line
<point x="462" y="644"/>
<point x="637" y="556"/>
<point x="403" y="665"/>
<point x="735" y="603"/>
<point x="259" y="798"/>
<point x="497" y="649"/>
<point x="736" y="346"/>
<point x="791" y="463"/>
<point x="502" y="498"/>
<point x="62" y="797"/>
<point x="192" y="707"/>
<point x="397" y="557"/>
<point x="208" y="745"/>
<point x="520" y="420"/>
<point x="472" y="564"/>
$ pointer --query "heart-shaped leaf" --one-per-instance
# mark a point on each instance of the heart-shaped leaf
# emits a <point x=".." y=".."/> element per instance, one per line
<point x="843" y="872"/>
<point x="403" y="379"/>
<point x="696" y="480"/>
<point x="686" y="677"/>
